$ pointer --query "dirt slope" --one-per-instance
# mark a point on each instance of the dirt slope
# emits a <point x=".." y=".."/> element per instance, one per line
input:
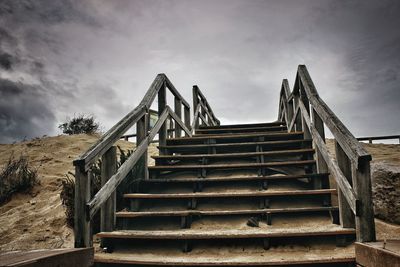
<point x="37" y="220"/>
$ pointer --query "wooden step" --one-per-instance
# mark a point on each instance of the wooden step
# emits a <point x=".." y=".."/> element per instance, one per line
<point x="236" y="155"/>
<point x="240" y="130"/>
<point x="235" y="178"/>
<point x="266" y="193"/>
<point x="238" y="136"/>
<point x="136" y="214"/>
<point x="193" y="234"/>
<point x="231" y="166"/>
<point x="252" y="125"/>
<point x="287" y="256"/>
<point x="238" y="146"/>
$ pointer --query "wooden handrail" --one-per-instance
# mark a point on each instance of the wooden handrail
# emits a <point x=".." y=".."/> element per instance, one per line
<point x="304" y="110"/>
<point x="114" y="134"/>
<point x="354" y="150"/>
<point x="85" y="206"/>
<point x="206" y="113"/>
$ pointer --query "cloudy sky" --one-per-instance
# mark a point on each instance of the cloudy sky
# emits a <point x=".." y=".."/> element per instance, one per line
<point x="62" y="58"/>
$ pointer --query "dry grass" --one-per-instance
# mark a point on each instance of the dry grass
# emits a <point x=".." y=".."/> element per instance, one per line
<point x="16" y="176"/>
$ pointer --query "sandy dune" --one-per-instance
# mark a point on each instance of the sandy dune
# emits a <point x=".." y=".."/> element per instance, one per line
<point x="36" y="219"/>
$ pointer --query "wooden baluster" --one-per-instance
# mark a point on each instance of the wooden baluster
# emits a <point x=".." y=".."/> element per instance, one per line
<point x="162" y="103"/>
<point x="141" y="134"/>
<point x="178" y="111"/>
<point x="298" y="123"/>
<point x="186" y="112"/>
<point x="82" y="226"/>
<point x="322" y="167"/>
<point x="195" y="103"/>
<point x="108" y="169"/>
<point x="346" y="214"/>
<point x="365" y="225"/>
<point x="289" y="112"/>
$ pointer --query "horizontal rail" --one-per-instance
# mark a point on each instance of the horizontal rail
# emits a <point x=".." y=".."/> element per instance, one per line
<point x="382" y="137"/>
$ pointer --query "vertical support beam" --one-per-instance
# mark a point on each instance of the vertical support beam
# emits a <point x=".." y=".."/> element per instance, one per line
<point x="141" y="134"/>
<point x="297" y="124"/>
<point x="195" y="103"/>
<point x="186" y="112"/>
<point x="365" y="224"/>
<point x="162" y="103"/>
<point x="289" y="111"/>
<point x="82" y="227"/>
<point x="178" y="111"/>
<point x="203" y="112"/>
<point x="322" y="167"/>
<point x="108" y="169"/>
<point x="346" y="214"/>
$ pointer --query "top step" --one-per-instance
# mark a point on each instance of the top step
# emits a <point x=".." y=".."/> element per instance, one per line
<point x="269" y="124"/>
<point x="241" y="130"/>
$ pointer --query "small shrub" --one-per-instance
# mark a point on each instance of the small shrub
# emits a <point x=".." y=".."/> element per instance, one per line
<point x="67" y="196"/>
<point x="80" y="124"/>
<point x="16" y="176"/>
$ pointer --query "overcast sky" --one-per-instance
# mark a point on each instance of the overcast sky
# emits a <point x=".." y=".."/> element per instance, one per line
<point x="60" y="58"/>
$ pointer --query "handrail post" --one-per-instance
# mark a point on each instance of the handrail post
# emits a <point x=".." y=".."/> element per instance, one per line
<point x="365" y="225"/>
<point x="162" y="103"/>
<point x="141" y="134"/>
<point x="82" y="226"/>
<point x="297" y="124"/>
<point x="322" y="167"/>
<point x="186" y="112"/>
<point x="346" y="214"/>
<point x="108" y="169"/>
<point x="178" y="111"/>
<point x="195" y="104"/>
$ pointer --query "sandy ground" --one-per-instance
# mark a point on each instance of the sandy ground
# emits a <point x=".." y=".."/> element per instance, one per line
<point x="36" y="219"/>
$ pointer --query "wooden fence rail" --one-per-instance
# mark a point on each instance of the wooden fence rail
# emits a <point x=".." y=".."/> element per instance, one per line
<point x="304" y="110"/>
<point x="87" y="206"/>
<point x="382" y="137"/>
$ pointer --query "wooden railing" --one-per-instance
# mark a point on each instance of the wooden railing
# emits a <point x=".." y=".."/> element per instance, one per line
<point x="303" y="110"/>
<point x="382" y="137"/>
<point x="87" y="206"/>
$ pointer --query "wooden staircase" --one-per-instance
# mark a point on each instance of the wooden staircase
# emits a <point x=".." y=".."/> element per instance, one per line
<point x="265" y="194"/>
<point x="247" y="199"/>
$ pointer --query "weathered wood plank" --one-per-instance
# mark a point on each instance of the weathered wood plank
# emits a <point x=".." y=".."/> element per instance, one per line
<point x="187" y="118"/>
<point x="378" y="254"/>
<point x="179" y="122"/>
<point x="347" y="141"/>
<point x="340" y="178"/>
<point x="141" y="130"/>
<point x="178" y="112"/>
<point x="162" y="103"/>
<point x="108" y="209"/>
<point x="195" y="123"/>
<point x="82" y="226"/>
<point x="105" y="192"/>
<point x="365" y="224"/>
<point x="75" y="257"/>
<point x="345" y="211"/>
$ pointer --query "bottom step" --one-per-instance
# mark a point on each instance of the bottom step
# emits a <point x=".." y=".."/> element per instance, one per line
<point x="323" y="255"/>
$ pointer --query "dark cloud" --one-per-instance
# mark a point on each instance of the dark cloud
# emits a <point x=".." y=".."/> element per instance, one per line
<point x="24" y="112"/>
<point x="99" y="57"/>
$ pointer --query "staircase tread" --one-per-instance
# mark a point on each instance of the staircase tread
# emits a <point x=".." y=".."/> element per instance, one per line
<point x="238" y="144"/>
<point x="243" y="154"/>
<point x="242" y="125"/>
<point x="130" y="214"/>
<point x="202" y="257"/>
<point x="241" y="129"/>
<point x="249" y="193"/>
<point x="237" y="135"/>
<point x="249" y="232"/>
<point x="234" y="165"/>
<point x="235" y="178"/>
